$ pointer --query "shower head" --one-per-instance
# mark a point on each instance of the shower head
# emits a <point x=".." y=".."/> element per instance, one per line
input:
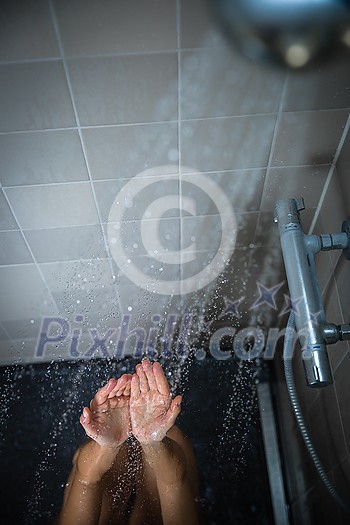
<point x="298" y="251"/>
<point x="292" y="33"/>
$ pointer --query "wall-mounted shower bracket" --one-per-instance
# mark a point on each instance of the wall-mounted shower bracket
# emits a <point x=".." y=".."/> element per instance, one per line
<point x="334" y="333"/>
<point x="299" y="251"/>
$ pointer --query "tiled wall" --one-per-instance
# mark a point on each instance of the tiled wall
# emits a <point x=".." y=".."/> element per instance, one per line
<point x="327" y="410"/>
<point x="93" y="93"/>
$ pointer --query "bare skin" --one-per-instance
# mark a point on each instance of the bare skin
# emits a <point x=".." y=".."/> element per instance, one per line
<point x="138" y="468"/>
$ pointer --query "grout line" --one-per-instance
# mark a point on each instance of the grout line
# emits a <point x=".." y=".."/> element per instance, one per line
<point x="29" y="61"/>
<point x="334" y="265"/>
<point x="332" y="278"/>
<point x="117" y="54"/>
<point x="39" y="130"/>
<point x="60" y="262"/>
<point x="275" y="132"/>
<point x="179" y="129"/>
<point x="212" y="172"/>
<point x="111" y="55"/>
<point x="268" y="167"/>
<point x="29" y="249"/>
<point x="330" y="175"/>
<point x="89" y="57"/>
<point x="340" y="362"/>
<point x="89" y="126"/>
<point x="7" y="333"/>
<point x="339" y="411"/>
<point x="124" y="124"/>
<point x="155" y="122"/>
<point x="79" y="129"/>
<point x="171" y="121"/>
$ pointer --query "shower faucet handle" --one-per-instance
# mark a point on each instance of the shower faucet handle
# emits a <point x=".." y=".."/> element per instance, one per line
<point x="332" y="333"/>
<point x="344" y="330"/>
<point x="300" y="204"/>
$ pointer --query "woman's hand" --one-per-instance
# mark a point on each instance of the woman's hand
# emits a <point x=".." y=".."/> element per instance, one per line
<point x="107" y="421"/>
<point x="152" y="411"/>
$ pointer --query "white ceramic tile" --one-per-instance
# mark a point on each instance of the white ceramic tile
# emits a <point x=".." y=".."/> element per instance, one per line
<point x="308" y="137"/>
<point x="330" y="220"/>
<point x="267" y="230"/>
<point x="246" y="223"/>
<point x="34" y="96"/>
<point x="227" y="143"/>
<point x="24" y="351"/>
<point x="202" y="233"/>
<point x="77" y="337"/>
<point x="151" y="276"/>
<point x="266" y="314"/>
<point x="19" y="328"/>
<point x="137" y="94"/>
<point x="82" y="275"/>
<point x="142" y="305"/>
<point x="26" y="307"/>
<point x="21" y="279"/>
<point x="333" y="211"/>
<point x="3" y="334"/>
<point x="7" y="220"/>
<point x="198" y="26"/>
<point x="9" y="354"/>
<point x="41" y="157"/>
<point x="342" y="276"/>
<point x="243" y="289"/>
<point x="241" y="189"/>
<point x="325" y="261"/>
<point x="13" y="249"/>
<point x="325" y="265"/>
<point x="95" y="340"/>
<point x="133" y="199"/>
<point x="199" y="261"/>
<point x="334" y="315"/>
<point x="211" y="274"/>
<point x="26" y="30"/>
<point x="54" y="205"/>
<point x="64" y="244"/>
<point x="125" y="89"/>
<point x="267" y="260"/>
<point x="90" y="28"/>
<point x="343" y="170"/>
<point x="322" y="86"/>
<point x="299" y="181"/>
<point x="125" y="151"/>
<point x="221" y="82"/>
<point x="148" y="237"/>
<point x="97" y="306"/>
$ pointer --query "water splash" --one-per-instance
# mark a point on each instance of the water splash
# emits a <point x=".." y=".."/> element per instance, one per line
<point x="239" y="416"/>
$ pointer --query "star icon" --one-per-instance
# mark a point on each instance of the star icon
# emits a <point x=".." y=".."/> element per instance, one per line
<point x="267" y="295"/>
<point x="316" y="317"/>
<point x="203" y="325"/>
<point x="231" y="307"/>
<point x="290" y="306"/>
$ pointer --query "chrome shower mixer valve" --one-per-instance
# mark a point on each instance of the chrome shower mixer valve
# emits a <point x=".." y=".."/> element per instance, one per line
<point x="299" y="250"/>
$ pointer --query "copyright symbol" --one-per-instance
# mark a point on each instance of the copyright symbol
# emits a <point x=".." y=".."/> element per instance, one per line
<point x="156" y="256"/>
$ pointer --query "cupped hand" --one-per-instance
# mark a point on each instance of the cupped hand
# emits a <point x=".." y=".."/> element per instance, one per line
<point x="152" y="410"/>
<point x="107" y="421"/>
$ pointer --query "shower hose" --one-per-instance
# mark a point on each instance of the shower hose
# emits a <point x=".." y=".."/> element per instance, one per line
<point x="288" y="370"/>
